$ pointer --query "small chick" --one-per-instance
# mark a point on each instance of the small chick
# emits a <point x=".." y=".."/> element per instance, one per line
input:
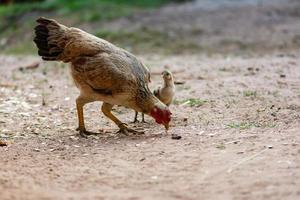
<point x="165" y="94"/>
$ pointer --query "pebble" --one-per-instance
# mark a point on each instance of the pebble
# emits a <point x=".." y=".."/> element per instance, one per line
<point x="176" y="137"/>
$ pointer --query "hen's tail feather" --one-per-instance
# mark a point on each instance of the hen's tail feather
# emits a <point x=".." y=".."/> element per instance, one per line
<point x="47" y="35"/>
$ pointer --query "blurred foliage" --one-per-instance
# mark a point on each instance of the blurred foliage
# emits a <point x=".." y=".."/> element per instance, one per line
<point x="147" y="40"/>
<point x="18" y="19"/>
<point x="71" y="6"/>
<point x="79" y="10"/>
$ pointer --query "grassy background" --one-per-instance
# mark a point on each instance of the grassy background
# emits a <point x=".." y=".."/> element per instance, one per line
<point x="18" y="20"/>
<point x="86" y="9"/>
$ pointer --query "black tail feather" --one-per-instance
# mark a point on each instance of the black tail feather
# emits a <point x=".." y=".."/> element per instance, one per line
<point x="48" y="52"/>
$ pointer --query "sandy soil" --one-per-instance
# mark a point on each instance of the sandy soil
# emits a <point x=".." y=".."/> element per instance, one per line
<point x="240" y="141"/>
<point x="237" y="145"/>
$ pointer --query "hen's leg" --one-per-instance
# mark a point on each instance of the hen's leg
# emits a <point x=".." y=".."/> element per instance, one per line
<point x="135" y="117"/>
<point x="143" y="118"/>
<point x="80" y="102"/>
<point x="106" y="109"/>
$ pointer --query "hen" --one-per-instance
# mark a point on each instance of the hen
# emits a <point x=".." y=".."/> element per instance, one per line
<point x="101" y="71"/>
<point x="165" y="93"/>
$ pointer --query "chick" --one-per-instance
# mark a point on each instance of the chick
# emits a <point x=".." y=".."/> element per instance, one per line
<point x="165" y="94"/>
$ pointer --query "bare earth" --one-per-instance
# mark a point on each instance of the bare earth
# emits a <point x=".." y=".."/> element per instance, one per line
<point x="241" y="141"/>
<point x="234" y="146"/>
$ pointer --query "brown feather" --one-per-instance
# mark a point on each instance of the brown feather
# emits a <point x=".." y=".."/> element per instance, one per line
<point x="100" y="70"/>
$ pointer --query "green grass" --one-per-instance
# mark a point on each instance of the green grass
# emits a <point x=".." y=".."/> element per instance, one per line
<point x="232" y="43"/>
<point x="144" y="39"/>
<point x="249" y="93"/>
<point x="248" y="125"/>
<point x="191" y="102"/>
<point x="221" y="146"/>
<point x="97" y="9"/>
<point x="127" y="38"/>
<point x="21" y="48"/>
<point x="18" y="19"/>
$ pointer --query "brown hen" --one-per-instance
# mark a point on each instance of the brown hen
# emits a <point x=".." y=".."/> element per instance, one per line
<point x="101" y="71"/>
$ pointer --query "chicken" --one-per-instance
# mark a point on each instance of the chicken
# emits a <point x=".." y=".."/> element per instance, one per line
<point x="164" y="94"/>
<point x="101" y="71"/>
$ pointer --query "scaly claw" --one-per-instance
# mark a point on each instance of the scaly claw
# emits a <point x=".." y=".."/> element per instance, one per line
<point x="125" y="130"/>
<point x="83" y="133"/>
<point x="135" y="121"/>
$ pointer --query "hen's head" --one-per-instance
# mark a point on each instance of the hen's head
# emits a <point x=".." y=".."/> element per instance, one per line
<point x="161" y="114"/>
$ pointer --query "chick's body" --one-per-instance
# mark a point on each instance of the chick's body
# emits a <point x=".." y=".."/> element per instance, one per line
<point x="101" y="71"/>
<point x="165" y="93"/>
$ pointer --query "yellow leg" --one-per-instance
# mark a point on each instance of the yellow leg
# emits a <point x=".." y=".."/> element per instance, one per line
<point x="80" y="102"/>
<point x="106" y="109"/>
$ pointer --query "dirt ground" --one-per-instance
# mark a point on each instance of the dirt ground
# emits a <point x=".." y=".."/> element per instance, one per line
<point x="240" y="132"/>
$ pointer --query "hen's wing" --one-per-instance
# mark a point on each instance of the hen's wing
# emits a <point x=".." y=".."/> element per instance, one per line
<point x="112" y="73"/>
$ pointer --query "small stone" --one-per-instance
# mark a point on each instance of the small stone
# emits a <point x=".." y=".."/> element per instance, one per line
<point x="176" y="137"/>
<point x="282" y="75"/>
<point x="272" y="106"/>
<point x="72" y="137"/>
<point x="200" y="133"/>
<point x="142" y="159"/>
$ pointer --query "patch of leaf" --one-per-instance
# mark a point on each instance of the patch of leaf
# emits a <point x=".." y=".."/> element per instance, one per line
<point x="248" y="125"/>
<point x="249" y="93"/>
<point x="191" y="102"/>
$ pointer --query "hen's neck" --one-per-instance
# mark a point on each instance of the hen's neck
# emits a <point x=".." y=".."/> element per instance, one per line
<point x="146" y="102"/>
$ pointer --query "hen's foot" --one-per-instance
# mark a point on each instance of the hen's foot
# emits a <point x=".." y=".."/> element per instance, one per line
<point x="83" y="133"/>
<point x="135" y="121"/>
<point x="125" y="130"/>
